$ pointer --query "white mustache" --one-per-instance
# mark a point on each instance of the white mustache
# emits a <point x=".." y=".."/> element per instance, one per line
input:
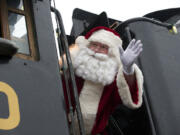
<point x="99" y="56"/>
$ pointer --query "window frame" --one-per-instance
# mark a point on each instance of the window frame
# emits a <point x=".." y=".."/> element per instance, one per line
<point x="27" y="13"/>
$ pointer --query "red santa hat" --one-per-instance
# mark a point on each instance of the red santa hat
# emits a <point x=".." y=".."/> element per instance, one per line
<point x="99" y="31"/>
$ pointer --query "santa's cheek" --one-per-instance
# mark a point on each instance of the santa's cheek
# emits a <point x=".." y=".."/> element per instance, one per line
<point x="105" y="51"/>
<point x="110" y="52"/>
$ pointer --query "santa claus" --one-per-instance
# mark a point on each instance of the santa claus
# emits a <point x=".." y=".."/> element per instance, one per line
<point x="106" y="76"/>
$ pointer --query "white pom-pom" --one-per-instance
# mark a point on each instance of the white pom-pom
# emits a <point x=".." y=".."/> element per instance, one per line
<point x="81" y="41"/>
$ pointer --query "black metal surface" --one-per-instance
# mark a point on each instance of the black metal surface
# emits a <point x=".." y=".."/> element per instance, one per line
<point x="82" y="19"/>
<point x="123" y="25"/>
<point x="160" y="66"/>
<point x="163" y="15"/>
<point x="37" y="83"/>
<point x="127" y="30"/>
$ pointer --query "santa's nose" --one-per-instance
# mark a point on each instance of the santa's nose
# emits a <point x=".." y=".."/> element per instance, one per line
<point x="96" y="49"/>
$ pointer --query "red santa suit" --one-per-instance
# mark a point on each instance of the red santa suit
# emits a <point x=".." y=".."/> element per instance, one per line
<point x="98" y="101"/>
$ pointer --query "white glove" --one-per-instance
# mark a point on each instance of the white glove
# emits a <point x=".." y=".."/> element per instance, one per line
<point x="129" y="56"/>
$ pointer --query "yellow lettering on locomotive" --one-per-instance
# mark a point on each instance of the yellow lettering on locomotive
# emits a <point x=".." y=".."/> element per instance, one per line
<point x="13" y="119"/>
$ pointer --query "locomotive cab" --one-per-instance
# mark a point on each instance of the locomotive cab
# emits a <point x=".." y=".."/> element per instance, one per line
<point x="31" y="100"/>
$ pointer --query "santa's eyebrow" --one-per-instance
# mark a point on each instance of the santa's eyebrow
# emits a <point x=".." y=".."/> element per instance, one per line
<point x="93" y="42"/>
<point x="104" y="45"/>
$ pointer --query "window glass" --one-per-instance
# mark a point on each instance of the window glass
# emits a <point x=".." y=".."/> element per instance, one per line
<point x="17" y="4"/>
<point x="18" y="32"/>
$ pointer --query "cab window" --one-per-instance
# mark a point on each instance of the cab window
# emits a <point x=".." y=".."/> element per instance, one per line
<point x="17" y="25"/>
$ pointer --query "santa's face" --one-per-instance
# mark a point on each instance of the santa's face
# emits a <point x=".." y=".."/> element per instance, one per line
<point x="93" y="63"/>
<point x="98" y="47"/>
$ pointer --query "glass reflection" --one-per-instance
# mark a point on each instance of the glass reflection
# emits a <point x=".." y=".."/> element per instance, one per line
<point x="18" y="32"/>
<point x="18" y="4"/>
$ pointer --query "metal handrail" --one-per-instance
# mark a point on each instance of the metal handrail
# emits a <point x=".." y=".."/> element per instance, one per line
<point x="71" y="71"/>
<point x="64" y="69"/>
<point x="172" y="28"/>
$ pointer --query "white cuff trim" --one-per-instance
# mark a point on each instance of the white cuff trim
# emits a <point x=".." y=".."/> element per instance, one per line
<point x="124" y="91"/>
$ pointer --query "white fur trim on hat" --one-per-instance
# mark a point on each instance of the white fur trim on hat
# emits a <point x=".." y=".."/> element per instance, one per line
<point x="81" y="41"/>
<point x="124" y="91"/>
<point x="106" y="37"/>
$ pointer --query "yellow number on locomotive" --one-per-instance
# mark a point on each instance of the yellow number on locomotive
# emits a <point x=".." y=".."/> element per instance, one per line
<point x="13" y="119"/>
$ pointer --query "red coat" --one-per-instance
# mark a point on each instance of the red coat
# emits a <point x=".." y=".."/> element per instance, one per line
<point x="109" y="100"/>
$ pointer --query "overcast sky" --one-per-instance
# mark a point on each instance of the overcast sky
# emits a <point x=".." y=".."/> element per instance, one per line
<point x="116" y="9"/>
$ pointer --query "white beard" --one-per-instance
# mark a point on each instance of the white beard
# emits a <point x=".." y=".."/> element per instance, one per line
<point x="95" y="67"/>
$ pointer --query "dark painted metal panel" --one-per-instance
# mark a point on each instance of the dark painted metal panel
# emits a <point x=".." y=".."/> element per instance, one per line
<point x="37" y="83"/>
<point x="160" y="66"/>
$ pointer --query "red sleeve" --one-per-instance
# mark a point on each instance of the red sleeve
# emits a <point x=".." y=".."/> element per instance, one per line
<point x="134" y="93"/>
